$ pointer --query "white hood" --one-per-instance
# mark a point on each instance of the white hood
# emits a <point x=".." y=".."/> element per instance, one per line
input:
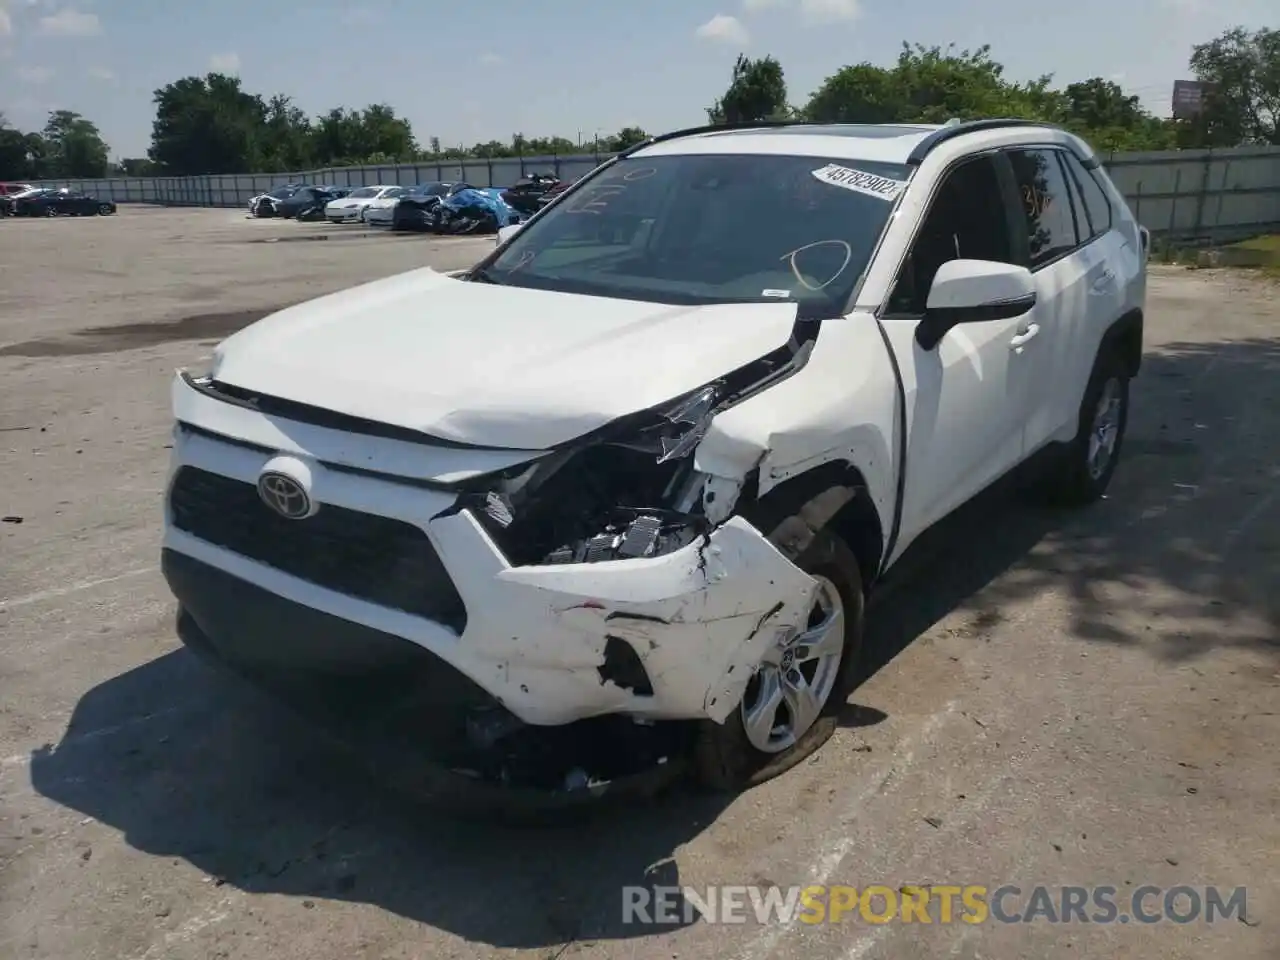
<point x="491" y="365"/>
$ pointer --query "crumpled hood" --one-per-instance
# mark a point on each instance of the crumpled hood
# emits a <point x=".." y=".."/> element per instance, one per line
<point x="491" y="365"/>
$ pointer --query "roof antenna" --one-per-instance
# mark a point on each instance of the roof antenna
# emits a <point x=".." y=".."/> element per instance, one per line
<point x="953" y="122"/>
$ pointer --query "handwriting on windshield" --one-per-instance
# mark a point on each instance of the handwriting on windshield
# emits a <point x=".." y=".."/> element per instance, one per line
<point x="526" y="258"/>
<point x="596" y="195"/>
<point x="792" y="256"/>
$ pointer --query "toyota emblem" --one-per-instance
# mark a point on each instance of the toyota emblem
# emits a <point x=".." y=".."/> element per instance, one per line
<point x="285" y="495"/>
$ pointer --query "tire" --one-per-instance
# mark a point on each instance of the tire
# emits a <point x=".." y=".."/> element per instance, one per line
<point x="104" y="210"/>
<point x="728" y="756"/>
<point x="1083" y="471"/>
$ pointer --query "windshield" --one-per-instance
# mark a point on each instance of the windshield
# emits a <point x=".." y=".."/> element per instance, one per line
<point x="363" y="192"/>
<point x="700" y="229"/>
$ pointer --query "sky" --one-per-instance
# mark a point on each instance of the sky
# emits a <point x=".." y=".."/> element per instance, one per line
<point x="468" y="72"/>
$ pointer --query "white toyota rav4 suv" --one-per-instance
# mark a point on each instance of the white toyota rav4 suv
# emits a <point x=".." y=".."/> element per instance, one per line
<point x="649" y="457"/>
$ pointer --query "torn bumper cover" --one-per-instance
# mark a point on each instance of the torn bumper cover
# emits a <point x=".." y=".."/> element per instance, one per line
<point x="698" y="620"/>
<point x="545" y="641"/>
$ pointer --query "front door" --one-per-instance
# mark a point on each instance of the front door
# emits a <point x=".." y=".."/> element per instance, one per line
<point x="966" y="398"/>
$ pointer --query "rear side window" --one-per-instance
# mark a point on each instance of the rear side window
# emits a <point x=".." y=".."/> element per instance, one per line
<point x="1096" y="204"/>
<point x="1046" y="205"/>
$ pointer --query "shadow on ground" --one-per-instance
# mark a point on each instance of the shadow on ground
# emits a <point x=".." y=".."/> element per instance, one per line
<point x="134" y="336"/>
<point x="1187" y="539"/>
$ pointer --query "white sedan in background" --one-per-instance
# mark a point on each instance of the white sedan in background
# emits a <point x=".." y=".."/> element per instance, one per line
<point x="352" y="207"/>
<point x="382" y="211"/>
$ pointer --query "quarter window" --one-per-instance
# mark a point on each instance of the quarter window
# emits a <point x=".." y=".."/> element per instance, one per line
<point x="1096" y="203"/>
<point x="1046" y="204"/>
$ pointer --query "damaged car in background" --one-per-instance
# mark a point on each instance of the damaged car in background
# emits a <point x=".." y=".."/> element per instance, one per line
<point x="628" y="514"/>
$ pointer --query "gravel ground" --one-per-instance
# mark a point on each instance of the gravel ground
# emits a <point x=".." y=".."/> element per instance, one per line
<point x="1085" y="699"/>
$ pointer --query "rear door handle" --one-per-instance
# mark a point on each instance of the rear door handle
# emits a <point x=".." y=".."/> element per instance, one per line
<point x="1025" y="337"/>
<point x="1103" y="283"/>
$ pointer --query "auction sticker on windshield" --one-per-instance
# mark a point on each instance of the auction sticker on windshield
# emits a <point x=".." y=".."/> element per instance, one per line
<point x="860" y="180"/>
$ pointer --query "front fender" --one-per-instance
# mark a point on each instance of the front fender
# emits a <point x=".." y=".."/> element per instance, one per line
<point x="840" y="407"/>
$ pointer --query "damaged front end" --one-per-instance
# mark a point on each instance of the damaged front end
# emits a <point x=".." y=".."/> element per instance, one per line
<point x="631" y="490"/>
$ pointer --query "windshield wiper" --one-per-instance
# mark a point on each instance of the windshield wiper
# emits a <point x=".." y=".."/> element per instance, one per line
<point x="479" y="275"/>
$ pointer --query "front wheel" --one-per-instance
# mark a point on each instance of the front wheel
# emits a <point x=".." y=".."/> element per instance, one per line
<point x="791" y="705"/>
<point x="104" y="210"/>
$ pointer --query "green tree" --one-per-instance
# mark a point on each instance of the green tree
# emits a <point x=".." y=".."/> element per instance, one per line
<point x="344" y="136"/>
<point x="626" y="137"/>
<point x="382" y="132"/>
<point x="73" y="147"/>
<point x="929" y="85"/>
<point x="1100" y="111"/>
<point x="207" y="125"/>
<point x="757" y="91"/>
<point x="286" y="142"/>
<point x="1244" y="103"/>
<point x="136" y="167"/>
<point x="19" y="152"/>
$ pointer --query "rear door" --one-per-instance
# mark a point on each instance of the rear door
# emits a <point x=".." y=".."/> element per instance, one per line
<point x="1111" y="261"/>
<point x="1057" y="236"/>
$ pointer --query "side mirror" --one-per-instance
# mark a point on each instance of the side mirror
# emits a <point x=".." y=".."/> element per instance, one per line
<point x="974" y="291"/>
<point x="507" y="232"/>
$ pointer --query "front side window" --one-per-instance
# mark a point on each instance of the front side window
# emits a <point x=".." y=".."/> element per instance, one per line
<point x="1046" y="204"/>
<point x="392" y="192"/>
<point x="702" y="229"/>
<point x="966" y="220"/>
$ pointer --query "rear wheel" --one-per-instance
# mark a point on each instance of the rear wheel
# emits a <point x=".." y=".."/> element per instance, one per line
<point x="104" y="210"/>
<point x="791" y="706"/>
<point x="1083" y="472"/>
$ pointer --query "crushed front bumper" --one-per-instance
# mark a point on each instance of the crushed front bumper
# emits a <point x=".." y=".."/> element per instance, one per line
<point x="541" y="640"/>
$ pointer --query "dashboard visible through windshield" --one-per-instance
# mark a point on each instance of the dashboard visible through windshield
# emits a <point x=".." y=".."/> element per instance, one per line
<point x="699" y="229"/>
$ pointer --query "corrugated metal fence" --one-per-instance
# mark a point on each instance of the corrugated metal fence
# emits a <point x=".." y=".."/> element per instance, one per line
<point x="1215" y="194"/>
<point x="234" y="190"/>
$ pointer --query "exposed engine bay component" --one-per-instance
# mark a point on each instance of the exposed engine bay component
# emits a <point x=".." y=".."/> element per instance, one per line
<point x="645" y="536"/>
<point x="631" y="491"/>
<point x="576" y="506"/>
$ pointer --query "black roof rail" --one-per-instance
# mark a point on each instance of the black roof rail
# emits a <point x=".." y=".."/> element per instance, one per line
<point x="714" y="127"/>
<point x="949" y="132"/>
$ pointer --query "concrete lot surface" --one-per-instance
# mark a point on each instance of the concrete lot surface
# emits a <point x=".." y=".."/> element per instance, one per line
<point x="1088" y="699"/>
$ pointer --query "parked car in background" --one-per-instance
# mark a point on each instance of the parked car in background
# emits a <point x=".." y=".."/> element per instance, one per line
<point x="554" y="191"/>
<point x="308" y="203"/>
<point x="524" y="194"/>
<point x="265" y="204"/>
<point x="9" y="189"/>
<point x="352" y="207"/>
<point x="49" y="202"/>
<point x="382" y="211"/>
<point x="413" y="212"/>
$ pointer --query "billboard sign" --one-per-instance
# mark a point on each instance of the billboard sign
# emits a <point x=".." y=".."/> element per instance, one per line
<point x="1189" y="98"/>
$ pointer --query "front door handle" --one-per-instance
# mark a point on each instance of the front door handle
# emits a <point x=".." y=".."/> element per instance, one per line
<point x="1025" y="337"/>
